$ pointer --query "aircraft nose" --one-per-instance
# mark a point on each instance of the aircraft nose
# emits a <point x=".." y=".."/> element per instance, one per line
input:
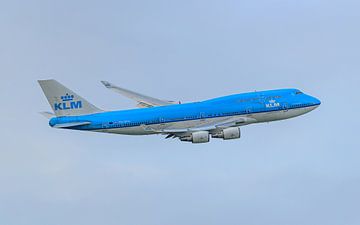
<point x="315" y="101"/>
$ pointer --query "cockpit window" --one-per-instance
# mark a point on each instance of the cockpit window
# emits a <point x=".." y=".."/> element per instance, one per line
<point x="298" y="93"/>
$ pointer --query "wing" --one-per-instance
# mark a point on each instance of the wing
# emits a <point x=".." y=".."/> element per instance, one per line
<point x="143" y="100"/>
<point x="211" y="128"/>
<point x="206" y="126"/>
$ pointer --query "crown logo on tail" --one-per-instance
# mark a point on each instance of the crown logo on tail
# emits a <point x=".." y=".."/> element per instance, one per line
<point x="67" y="97"/>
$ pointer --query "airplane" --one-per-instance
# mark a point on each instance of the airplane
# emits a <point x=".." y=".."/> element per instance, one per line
<point x="193" y="122"/>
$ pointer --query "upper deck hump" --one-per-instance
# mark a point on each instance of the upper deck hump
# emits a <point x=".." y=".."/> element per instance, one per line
<point x="230" y="98"/>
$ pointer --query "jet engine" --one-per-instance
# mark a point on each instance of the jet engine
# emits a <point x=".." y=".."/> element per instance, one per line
<point x="228" y="133"/>
<point x="197" y="137"/>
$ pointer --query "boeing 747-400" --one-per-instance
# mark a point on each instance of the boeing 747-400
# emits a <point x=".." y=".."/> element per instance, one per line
<point x="194" y="122"/>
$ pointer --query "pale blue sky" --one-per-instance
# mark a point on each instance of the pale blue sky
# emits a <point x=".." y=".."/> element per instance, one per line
<point x="302" y="171"/>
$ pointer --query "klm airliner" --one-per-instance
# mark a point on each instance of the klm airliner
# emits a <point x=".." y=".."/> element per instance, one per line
<point x="193" y="122"/>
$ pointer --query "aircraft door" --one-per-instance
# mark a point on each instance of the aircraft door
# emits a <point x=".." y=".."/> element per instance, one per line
<point x="249" y="110"/>
<point x="285" y="106"/>
<point x="105" y="125"/>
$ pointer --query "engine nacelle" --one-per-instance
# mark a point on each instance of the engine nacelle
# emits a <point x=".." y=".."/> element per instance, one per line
<point x="197" y="137"/>
<point x="228" y="133"/>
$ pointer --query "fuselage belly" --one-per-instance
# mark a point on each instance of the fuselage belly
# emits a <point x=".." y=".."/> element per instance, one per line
<point x="258" y="118"/>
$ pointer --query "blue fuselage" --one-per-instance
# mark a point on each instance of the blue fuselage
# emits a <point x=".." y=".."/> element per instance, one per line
<point x="234" y="105"/>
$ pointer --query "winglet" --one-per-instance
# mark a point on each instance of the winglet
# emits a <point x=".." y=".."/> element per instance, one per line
<point x="107" y="84"/>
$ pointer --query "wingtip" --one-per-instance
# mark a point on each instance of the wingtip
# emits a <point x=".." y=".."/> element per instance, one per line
<point x="42" y="80"/>
<point x="106" y="83"/>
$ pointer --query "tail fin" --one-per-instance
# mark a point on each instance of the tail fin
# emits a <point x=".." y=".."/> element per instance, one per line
<point x="64" y="101"/>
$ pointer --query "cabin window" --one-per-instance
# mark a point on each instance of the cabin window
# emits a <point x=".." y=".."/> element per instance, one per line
<point x="298" y="93"/>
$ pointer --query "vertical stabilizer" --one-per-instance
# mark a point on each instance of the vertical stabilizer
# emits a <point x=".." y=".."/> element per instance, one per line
<point x="64" y="101"/>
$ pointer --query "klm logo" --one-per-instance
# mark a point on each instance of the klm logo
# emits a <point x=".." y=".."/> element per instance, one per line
<point x="67" y="103"/>
<point x="272" y="104"/>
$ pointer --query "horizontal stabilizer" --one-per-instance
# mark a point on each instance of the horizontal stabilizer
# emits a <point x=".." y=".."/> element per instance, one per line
<point x="48" y="115"/>
<point x="73" y="124"/>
